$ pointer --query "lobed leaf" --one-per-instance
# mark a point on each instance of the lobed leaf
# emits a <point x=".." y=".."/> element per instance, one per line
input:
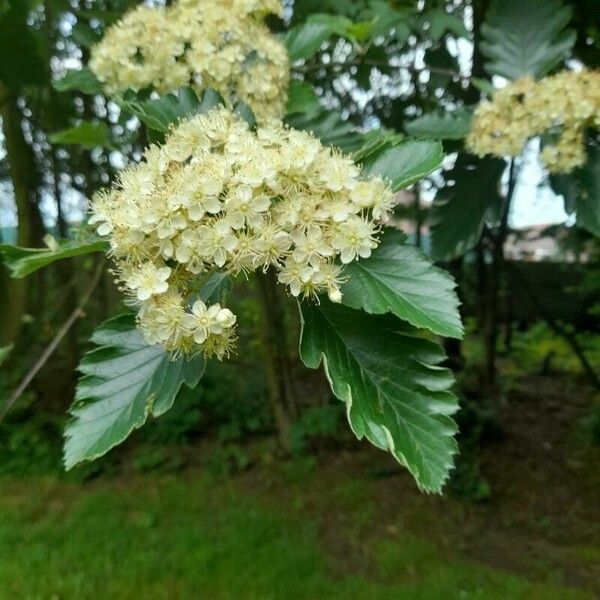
<point x="459" y="210"/>
<point x="526" y="38"/>
<point x="396" y="394"/>
<point x="124" y="382"/>
<point x="400" y="279"/>
<point x="405" y="163"/>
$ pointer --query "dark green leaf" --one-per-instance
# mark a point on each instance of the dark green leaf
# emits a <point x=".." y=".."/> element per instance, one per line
<point x="525" y="38"/>
<point x="441" y="21"/>
<point x="330" y="128"/>
<point x="389" y="20"/>
<point x="215" y="287"/>
<point x="396" y="393"/>
<point x="459" y="210"/>
<point x="23" y="59"/>
<point x="85" y="36"/>
<point x="164" y="112"/>
<point x="24" y="261"/>
<point x="405" y="163"/>
<point x="82" y="80"/>
<point x="124" y="382"/>
<point x="87" y="134"/>
<point x="581" y="191"/>
<point x="453" y="125"/>
<point x="400" y="279"/>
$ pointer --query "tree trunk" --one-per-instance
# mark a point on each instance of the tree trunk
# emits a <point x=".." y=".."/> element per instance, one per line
<point x="23" y="181"/>
<point x="494" y="285"/>
<point x="277" y="361"/>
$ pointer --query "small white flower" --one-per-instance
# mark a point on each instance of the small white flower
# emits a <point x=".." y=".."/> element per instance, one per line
<point x="149" y="281"/>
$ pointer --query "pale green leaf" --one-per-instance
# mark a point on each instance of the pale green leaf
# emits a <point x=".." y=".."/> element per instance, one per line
<point x="526" y="38"/>
<point x="453" y="125"/>
<point x="82" y="80"/>
<point x="4" y="352"/>
<point x="303" y="41"/>
<point x="124" y="382"/>
<point x="483" y="85"/>
<point x="87" y="135"/>
<point x="24" y="261"/>
<point x="301" y="98"/>
<point x="400" y="279"/>
<point x="396" y="393"/>
<point x="375" y="142"/>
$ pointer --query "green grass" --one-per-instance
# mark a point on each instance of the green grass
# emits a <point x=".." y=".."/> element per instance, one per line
<point x="192" y="537"/>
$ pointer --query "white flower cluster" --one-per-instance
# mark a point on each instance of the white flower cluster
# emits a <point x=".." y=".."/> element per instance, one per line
<point x="199" y="44"/>
<point x="219" y="196"/>
<point x="562" y="105"/>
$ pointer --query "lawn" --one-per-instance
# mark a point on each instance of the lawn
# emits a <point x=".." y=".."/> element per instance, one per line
<point x="194" y="536"/>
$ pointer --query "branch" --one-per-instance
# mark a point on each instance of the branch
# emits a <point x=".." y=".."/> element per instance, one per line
<point x="47" y="353"/>
<point x="555" y="326"/>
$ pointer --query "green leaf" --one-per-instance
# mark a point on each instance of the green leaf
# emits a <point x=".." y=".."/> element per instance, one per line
<point x="124" y="382"/>
<point x="400" y="279"/>
<point x="215" y="288"/>
<point x="23" y="57"/>
<point x="483" y="85"/>
<point x="162" y="113"/>
<point x="581" y="191"/>
<point x="303" y="41"/>
<point x="4" y="352"/>
<point x="406" y="163"/>
<point x="453" y="125"/>
<point x="396" y="394"/>
<point x="526" y="38"/>
<point x="387" y="19"/>
<point x="82" y="80"/>
<point x="330" y="128"/>
<point x="375" y="142"/>
<point x="87" y="134"/>
<point x="84" y="35"/>
<point x="459" y="210"/>
<point x="441" y="21"/>
<point x="301" y="98"/>
<point x="24" y="261"/>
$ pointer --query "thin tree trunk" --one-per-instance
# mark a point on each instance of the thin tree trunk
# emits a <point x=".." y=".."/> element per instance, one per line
<point x="494" y="285"/>
<point x="21" y="174"/>
<point x="277" y="361"/>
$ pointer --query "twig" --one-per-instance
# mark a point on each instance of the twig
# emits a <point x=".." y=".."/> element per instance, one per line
<point x="47" y="353"/>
